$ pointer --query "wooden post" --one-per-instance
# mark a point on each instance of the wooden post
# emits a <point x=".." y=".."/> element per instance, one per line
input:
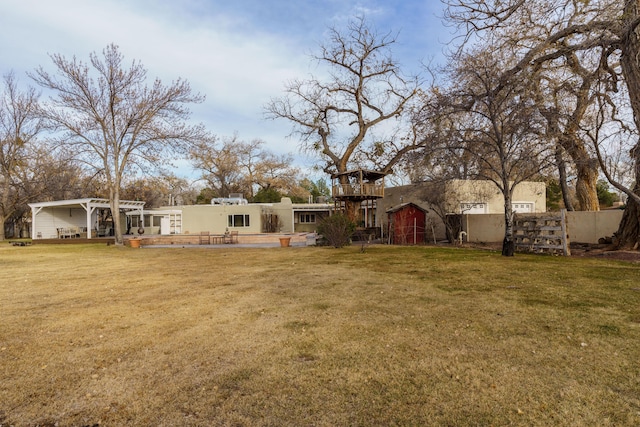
<point x="565" y="236"/>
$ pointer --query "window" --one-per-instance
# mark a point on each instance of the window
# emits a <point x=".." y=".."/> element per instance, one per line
<point x="520" y="207"/>
<point x="239" y="220"/>
<point x="308" y="218"/>
<point x="473" y="207"/>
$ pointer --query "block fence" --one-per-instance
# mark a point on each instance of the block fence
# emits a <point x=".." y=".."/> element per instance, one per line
<point x="582" y="227"/>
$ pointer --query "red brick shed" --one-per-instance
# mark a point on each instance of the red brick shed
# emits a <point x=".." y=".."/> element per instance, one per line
<point x="407" y="224"/>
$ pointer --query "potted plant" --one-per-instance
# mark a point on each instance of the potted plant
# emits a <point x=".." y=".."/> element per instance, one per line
<point x="285" y="242"/>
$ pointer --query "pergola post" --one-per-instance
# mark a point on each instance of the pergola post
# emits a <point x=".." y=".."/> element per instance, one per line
<point x="34" y="213"/>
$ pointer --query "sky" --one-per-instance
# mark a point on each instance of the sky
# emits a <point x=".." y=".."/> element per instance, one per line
<point x="238" y="54"/>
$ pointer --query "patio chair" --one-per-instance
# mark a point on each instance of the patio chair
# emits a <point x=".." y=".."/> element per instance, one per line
<point x="234" y="237"/>
<point x="204" y="238"/>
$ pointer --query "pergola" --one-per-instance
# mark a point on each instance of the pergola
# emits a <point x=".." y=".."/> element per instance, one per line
<point x="89" y="205"/>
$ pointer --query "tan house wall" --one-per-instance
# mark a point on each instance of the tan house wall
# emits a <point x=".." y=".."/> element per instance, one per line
<point x="583" y="227"/>
<point x="284" y="210"/>
<point x="215" y="218"/>
<point x="466" y="191"/>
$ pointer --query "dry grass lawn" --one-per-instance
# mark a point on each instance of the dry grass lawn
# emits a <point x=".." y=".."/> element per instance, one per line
<point x="96" y="335"/>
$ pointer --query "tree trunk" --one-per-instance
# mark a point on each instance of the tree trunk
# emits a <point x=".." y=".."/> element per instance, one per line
<point x="586" y="174"/>
<point x="115" y="216"/>
<point x="352" y="211"/>
<point x="3" y="218"/>
<point x="628" y="233"/>
<point x="453" y="226"/>
<point x="5" y="211"/>
<point x="586" y="190"/>
<point x="562" y="178"/>
<point x="508" y="245"/>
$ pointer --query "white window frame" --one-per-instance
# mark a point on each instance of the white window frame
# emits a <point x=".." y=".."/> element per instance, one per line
<point x="515" y="207"/>
<point x="231" y="220"/>
<point x="303" y="217"/>
<point x="465" y="207"/>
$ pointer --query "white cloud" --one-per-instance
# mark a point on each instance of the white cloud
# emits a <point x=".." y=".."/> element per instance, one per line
<point x="237" y="72"/>
<point x="238" y="54"/>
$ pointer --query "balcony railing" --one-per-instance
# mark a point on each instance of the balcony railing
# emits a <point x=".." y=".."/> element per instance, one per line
<point x="358" y="190"/>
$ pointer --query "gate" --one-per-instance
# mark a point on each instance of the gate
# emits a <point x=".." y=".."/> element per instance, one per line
<point x="545" y="233"/>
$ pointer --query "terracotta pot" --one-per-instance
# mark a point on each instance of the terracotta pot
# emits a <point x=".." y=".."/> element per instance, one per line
<point x="285" y="241"/>
<point x="135" y="243"/>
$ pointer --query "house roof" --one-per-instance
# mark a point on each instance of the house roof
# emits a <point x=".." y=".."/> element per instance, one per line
<point x="325" y="207"/>
<point x="157" y="212"/>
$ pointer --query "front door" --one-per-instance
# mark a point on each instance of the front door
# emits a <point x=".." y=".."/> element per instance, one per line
<point x="165" y="224"/>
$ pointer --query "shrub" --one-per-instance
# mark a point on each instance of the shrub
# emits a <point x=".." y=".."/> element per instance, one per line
<point x="605" y="197"/>
<point x="337" y="229"/>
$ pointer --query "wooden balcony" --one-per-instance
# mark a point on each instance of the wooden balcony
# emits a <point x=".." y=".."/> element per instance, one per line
<point x="361" y="190"/>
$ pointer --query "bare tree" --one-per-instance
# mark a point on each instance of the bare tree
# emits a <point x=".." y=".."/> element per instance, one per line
<point x="110" y="119"/>
<point x="19" y="128"/>
<point x="353" y="115"/>
<point x="496" y="125"/>
<point x="266" y="170"/>
<point x="539" y="33"/>
<point x="235" y="166"/>
<point x="219" y="162"/>
<point x="566" y="96"/>
<point x="610" y="133"/>
<point x="163" y="190"/>
<point x="44" y="176"/>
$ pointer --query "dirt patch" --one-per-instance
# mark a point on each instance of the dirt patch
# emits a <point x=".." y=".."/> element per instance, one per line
<point x="579" y="250"/>
<point x="605" y="251"/>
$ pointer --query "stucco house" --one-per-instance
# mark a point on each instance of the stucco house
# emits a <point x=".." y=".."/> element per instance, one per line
<point x="457" y="197"/>
<point x="224" y="214"/>
<point x="90" y="218"/>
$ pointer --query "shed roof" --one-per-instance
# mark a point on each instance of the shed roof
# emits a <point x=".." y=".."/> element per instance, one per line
<point x="402" y="206"/>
